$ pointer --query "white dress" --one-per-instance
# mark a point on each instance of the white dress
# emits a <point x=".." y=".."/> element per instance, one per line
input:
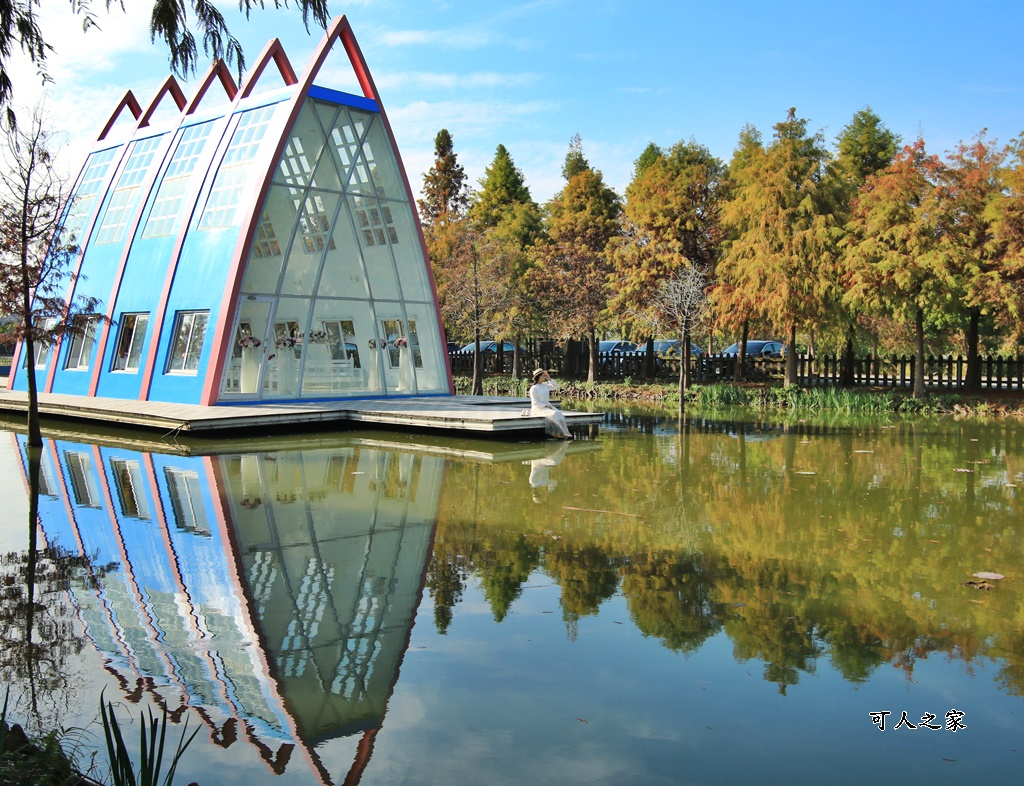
<point x="540" y="404"/>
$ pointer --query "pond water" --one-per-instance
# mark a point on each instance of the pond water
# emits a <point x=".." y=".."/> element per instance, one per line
<point x="713" y="602"/>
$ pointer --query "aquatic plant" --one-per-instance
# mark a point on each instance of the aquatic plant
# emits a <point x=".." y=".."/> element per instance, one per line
<point x="152" y="737"/>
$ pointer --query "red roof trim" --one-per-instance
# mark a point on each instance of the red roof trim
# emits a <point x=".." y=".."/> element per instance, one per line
<point x="171" y="86"/>
<point x="219" y="70"/>
<point x="129" y="101"/>
<point x="273" y="50"/>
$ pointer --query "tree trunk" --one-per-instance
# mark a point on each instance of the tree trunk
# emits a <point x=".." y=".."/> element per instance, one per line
<point x="846" y="369"/>
<point x="684" y="357"/>
<point x="499" y="356"/>
<point x="741" y="356"/>
<point x="478" y="379"/>
<point x="683" y="383"/>
<point x="790" y="378"/>
<point x="650" y="362"/>
<point x="35" y="436"/>
<point x="516" y="358"/>
<point x="592" y="352"/>
<point x="919" y="353"/>
<point x="973" y="381"/>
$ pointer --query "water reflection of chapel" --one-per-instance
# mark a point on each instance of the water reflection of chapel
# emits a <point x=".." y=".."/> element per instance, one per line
<point x="259" y="243"/>
<point x="272" y="594"/>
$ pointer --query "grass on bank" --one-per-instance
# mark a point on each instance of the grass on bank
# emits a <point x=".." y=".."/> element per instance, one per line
<point x="764" y="397"/>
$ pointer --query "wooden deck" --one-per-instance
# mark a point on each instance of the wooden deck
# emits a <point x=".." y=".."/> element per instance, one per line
<point x="490" y="415"/>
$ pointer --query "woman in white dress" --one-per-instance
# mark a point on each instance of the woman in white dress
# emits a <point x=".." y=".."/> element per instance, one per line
<point x="540" y="404"/>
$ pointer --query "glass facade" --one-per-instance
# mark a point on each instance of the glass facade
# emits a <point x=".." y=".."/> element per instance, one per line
<point x="335" y="288"/>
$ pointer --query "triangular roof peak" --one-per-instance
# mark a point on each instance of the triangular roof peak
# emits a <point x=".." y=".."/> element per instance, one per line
<point x="128" y="101"/>
<point x="171" y="86"/>
<point x="340" y="29"/>
<point x="272" y="51"/>
<point x="220" y="71"/>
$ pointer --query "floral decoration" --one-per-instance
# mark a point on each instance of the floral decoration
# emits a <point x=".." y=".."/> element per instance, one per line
<point x="401" y="342"/>
<point x="285" y="342"/>
<point x="249" y="341"/>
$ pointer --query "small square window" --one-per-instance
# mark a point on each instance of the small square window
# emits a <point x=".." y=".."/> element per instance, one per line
<point x="40" y="344"/>
<point x="130" y="338"/>
<point x="189" y="332"/>
<point x="82" y="342"/>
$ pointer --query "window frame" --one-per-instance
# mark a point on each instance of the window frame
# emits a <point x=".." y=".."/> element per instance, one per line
<point x="136" y="342"/>
<point x="192" y="348"/>
<point x="79" y="353"/>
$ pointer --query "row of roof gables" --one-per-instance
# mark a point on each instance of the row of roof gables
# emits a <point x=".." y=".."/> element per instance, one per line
<point x="339" y="28"/>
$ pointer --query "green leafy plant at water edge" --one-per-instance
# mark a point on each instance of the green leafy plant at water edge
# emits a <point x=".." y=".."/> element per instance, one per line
<point x="25" y="762"/>
<point x="711" y="396"/>
<point x="152" y="735"/>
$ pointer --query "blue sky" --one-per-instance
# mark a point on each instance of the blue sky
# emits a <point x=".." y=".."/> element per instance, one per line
<point x="529" y="75"/>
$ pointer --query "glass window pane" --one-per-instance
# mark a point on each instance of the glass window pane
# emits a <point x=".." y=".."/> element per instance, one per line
<point x="80" y="348"/>
<point x="379" y="161"/>
<point x="232" y="178"/>
<point x="187" y="346"/>
<point x="368" y="221"/>
<point x="166" y="213"/>
<point x="346" y="360"/>
<point x="130" y="339"/>
<point x="125" y="198"/>
<point x="342" y="274"/>
<point x="266" y="259"/>
<point x="312" y="238"/>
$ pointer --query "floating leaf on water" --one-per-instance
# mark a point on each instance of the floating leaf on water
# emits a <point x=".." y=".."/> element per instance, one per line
<point x="863" y="451"/>
<point x="984" y="574"/>
<point x="804" y="472"/>
<point x="963" y="469"/>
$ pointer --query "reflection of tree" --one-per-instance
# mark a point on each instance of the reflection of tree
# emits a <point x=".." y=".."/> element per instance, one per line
<point x="670" y="598"/>
<point x="768" y="625"/>
<point x="798" y="541"/>
<point x="586" y="575"/>
<point x="504" y="571"/>
<point x="37" y="628"/>
<point x="446" y="577"/>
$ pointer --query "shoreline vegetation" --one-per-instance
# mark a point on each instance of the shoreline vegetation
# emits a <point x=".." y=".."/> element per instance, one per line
<point x="759" y="398"/>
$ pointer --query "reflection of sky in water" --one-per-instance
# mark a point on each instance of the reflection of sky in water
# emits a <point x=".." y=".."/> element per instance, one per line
<point x="681" y="608"/>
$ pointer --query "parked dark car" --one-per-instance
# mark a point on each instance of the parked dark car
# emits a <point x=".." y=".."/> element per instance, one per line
<point x="759" y="349"/>
<point x="492" y="346"/>
<point x="615" y="347"/>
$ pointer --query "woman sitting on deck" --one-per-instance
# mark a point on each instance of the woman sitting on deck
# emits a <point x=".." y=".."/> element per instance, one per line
<point x="540" y="400"/>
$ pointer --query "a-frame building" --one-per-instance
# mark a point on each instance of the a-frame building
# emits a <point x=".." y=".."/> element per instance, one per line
<point x="261" y="243"/>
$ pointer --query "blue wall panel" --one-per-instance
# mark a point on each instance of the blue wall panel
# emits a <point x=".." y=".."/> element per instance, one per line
<point x="199" y="284"/>
<point x="139" y="293"/>
<point x="99" y="267"/>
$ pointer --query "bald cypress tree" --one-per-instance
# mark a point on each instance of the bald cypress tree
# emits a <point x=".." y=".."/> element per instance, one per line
<point x="444" y="185"/>
<point x="571" y="277"/>
<point x="505" y="213"/>
<point x="502" y="187"/>
<point x="781" y="257"/>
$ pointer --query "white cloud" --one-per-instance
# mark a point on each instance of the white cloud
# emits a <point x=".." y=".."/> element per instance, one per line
<point x="462" y="38"/>
<point x="422" y="119"/>
<point x="427" y="80"/>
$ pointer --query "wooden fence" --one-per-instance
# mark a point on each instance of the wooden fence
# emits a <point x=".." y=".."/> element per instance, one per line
<point x="940" y="373"/>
